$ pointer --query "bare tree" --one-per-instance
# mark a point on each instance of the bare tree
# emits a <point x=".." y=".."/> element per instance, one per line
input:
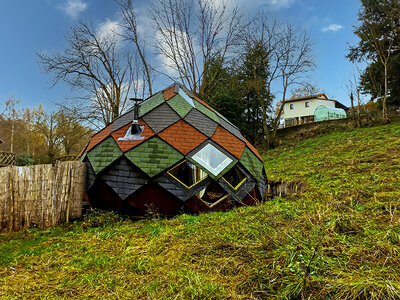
<point x="190" y="34"/>
<point x="131" y="33"/>
<point x="95" y="63"/>
<point x="45" y="124"/>
<point x="289" y="55"/>
<point x="12" y="115"/>
<point x="293" y="61"/>
<point x="3" y="110"/>
<point x="306" y="89"/>
<point x="72" y="134"/>
<point x="353" y="87"/>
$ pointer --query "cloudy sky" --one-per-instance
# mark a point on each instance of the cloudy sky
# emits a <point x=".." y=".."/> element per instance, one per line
<point x="28" y="26"/>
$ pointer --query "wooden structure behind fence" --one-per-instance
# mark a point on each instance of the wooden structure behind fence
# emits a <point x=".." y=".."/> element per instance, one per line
<point x="7" y="159"/>
<point x="283" y="188"/>
<point x="41" y="195"/>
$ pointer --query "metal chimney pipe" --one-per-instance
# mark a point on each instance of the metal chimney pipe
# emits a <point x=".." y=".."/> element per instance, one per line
<point x="135" y="123"/>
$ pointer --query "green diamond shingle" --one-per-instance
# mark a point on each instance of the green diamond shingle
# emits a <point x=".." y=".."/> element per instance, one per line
<point x="153" y="156"/>
<point x="180" y="105"/>
<point x="252" y="163"/>
<point x="206" y="111"/>
<point x="104" y="154"/>
<point x="151" y="103"/>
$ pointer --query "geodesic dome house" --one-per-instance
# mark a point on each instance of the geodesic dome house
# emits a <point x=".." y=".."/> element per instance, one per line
<point x="172" y="153"/>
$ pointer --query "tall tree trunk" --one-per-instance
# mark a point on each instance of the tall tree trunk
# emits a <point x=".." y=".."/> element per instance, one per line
<point x="359" y="109"/>
<point x="12" y="135"/>
<point x="352" y="109"/>
<point x="265" y="125"/>
<point x="278" y="117"/>
<point x="384" y="102"/>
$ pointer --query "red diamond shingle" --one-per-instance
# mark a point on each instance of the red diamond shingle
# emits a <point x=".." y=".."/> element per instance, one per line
<point x="182" y="136"/>
<point x="169" y="93"/>
<point x="228" y="141"/>
<point x="127" y="145"/>
<point x="99" y="137"/>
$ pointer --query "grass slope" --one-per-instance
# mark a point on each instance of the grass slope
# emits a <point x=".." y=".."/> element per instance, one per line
<point x="339" y="239"/>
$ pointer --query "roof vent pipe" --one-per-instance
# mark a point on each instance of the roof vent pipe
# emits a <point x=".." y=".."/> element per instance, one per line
<point x="135" y="129"/>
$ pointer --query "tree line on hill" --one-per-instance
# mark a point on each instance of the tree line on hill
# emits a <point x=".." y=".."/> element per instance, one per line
<point x="37" y="136"/>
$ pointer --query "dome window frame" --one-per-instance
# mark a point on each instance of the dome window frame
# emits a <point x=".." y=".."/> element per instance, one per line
<point x="180" y="181"/>
<point x="235" y="188"/>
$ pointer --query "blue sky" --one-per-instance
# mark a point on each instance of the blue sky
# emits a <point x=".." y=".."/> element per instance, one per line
<point x="28" y="26"/>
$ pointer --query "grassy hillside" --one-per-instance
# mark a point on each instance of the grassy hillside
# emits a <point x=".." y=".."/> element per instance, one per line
<point x="339" y="239"/>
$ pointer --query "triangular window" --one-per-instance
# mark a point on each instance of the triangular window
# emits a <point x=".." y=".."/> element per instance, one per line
<point x="234" y="177"/>
<point x="186" y="97"/>
<point x="187" y="174"/>
<point x="213" y="194"/>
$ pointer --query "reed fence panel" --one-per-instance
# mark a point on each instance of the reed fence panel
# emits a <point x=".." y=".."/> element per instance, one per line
<point x="40" y="195"/>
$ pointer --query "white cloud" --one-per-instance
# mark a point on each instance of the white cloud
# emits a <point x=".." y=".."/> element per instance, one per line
<point x="110" y="30"/>
<point x="100" y="97"/>
<point x="166" y="62"/>
<point x="170" y="46"/>
<point x="74" y="7"/>
<point x="276" y="4"/>
<point x="250" y="5"/>
<point x="332" y="27"/>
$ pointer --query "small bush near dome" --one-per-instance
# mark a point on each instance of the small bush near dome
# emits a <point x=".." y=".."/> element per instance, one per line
<point x="24" y="160"/>
<point x="97" y="218"/>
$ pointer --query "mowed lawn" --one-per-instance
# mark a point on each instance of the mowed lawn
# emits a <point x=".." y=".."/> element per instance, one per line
<point x="339" y="239"/>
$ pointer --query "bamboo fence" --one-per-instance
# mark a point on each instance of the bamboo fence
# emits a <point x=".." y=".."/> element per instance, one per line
<point x="41" y="195"/>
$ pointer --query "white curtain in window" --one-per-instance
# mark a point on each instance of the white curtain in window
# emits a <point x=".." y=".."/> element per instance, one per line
<point x="212" y="159"/>
<point x="204" y="155"/>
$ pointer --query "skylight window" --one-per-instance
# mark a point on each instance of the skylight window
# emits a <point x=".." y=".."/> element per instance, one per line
<point x="186" y="97"/>
<point x="212" y="159"/>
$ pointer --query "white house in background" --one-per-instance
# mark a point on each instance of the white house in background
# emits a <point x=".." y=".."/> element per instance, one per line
<point x="298" y="111"/>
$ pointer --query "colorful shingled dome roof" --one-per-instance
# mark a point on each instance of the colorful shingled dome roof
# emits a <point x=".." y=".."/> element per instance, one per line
<point x="184" y="150"/>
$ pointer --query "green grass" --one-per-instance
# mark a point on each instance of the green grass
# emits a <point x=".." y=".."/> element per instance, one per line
<point x="339" y="239"/>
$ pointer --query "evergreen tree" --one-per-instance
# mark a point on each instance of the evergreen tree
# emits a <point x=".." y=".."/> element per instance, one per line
<point x="239" y="91"/>
<point x="225" y="92"/>
<point x="378" y="45"/>
<point x="254" y="74"/>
